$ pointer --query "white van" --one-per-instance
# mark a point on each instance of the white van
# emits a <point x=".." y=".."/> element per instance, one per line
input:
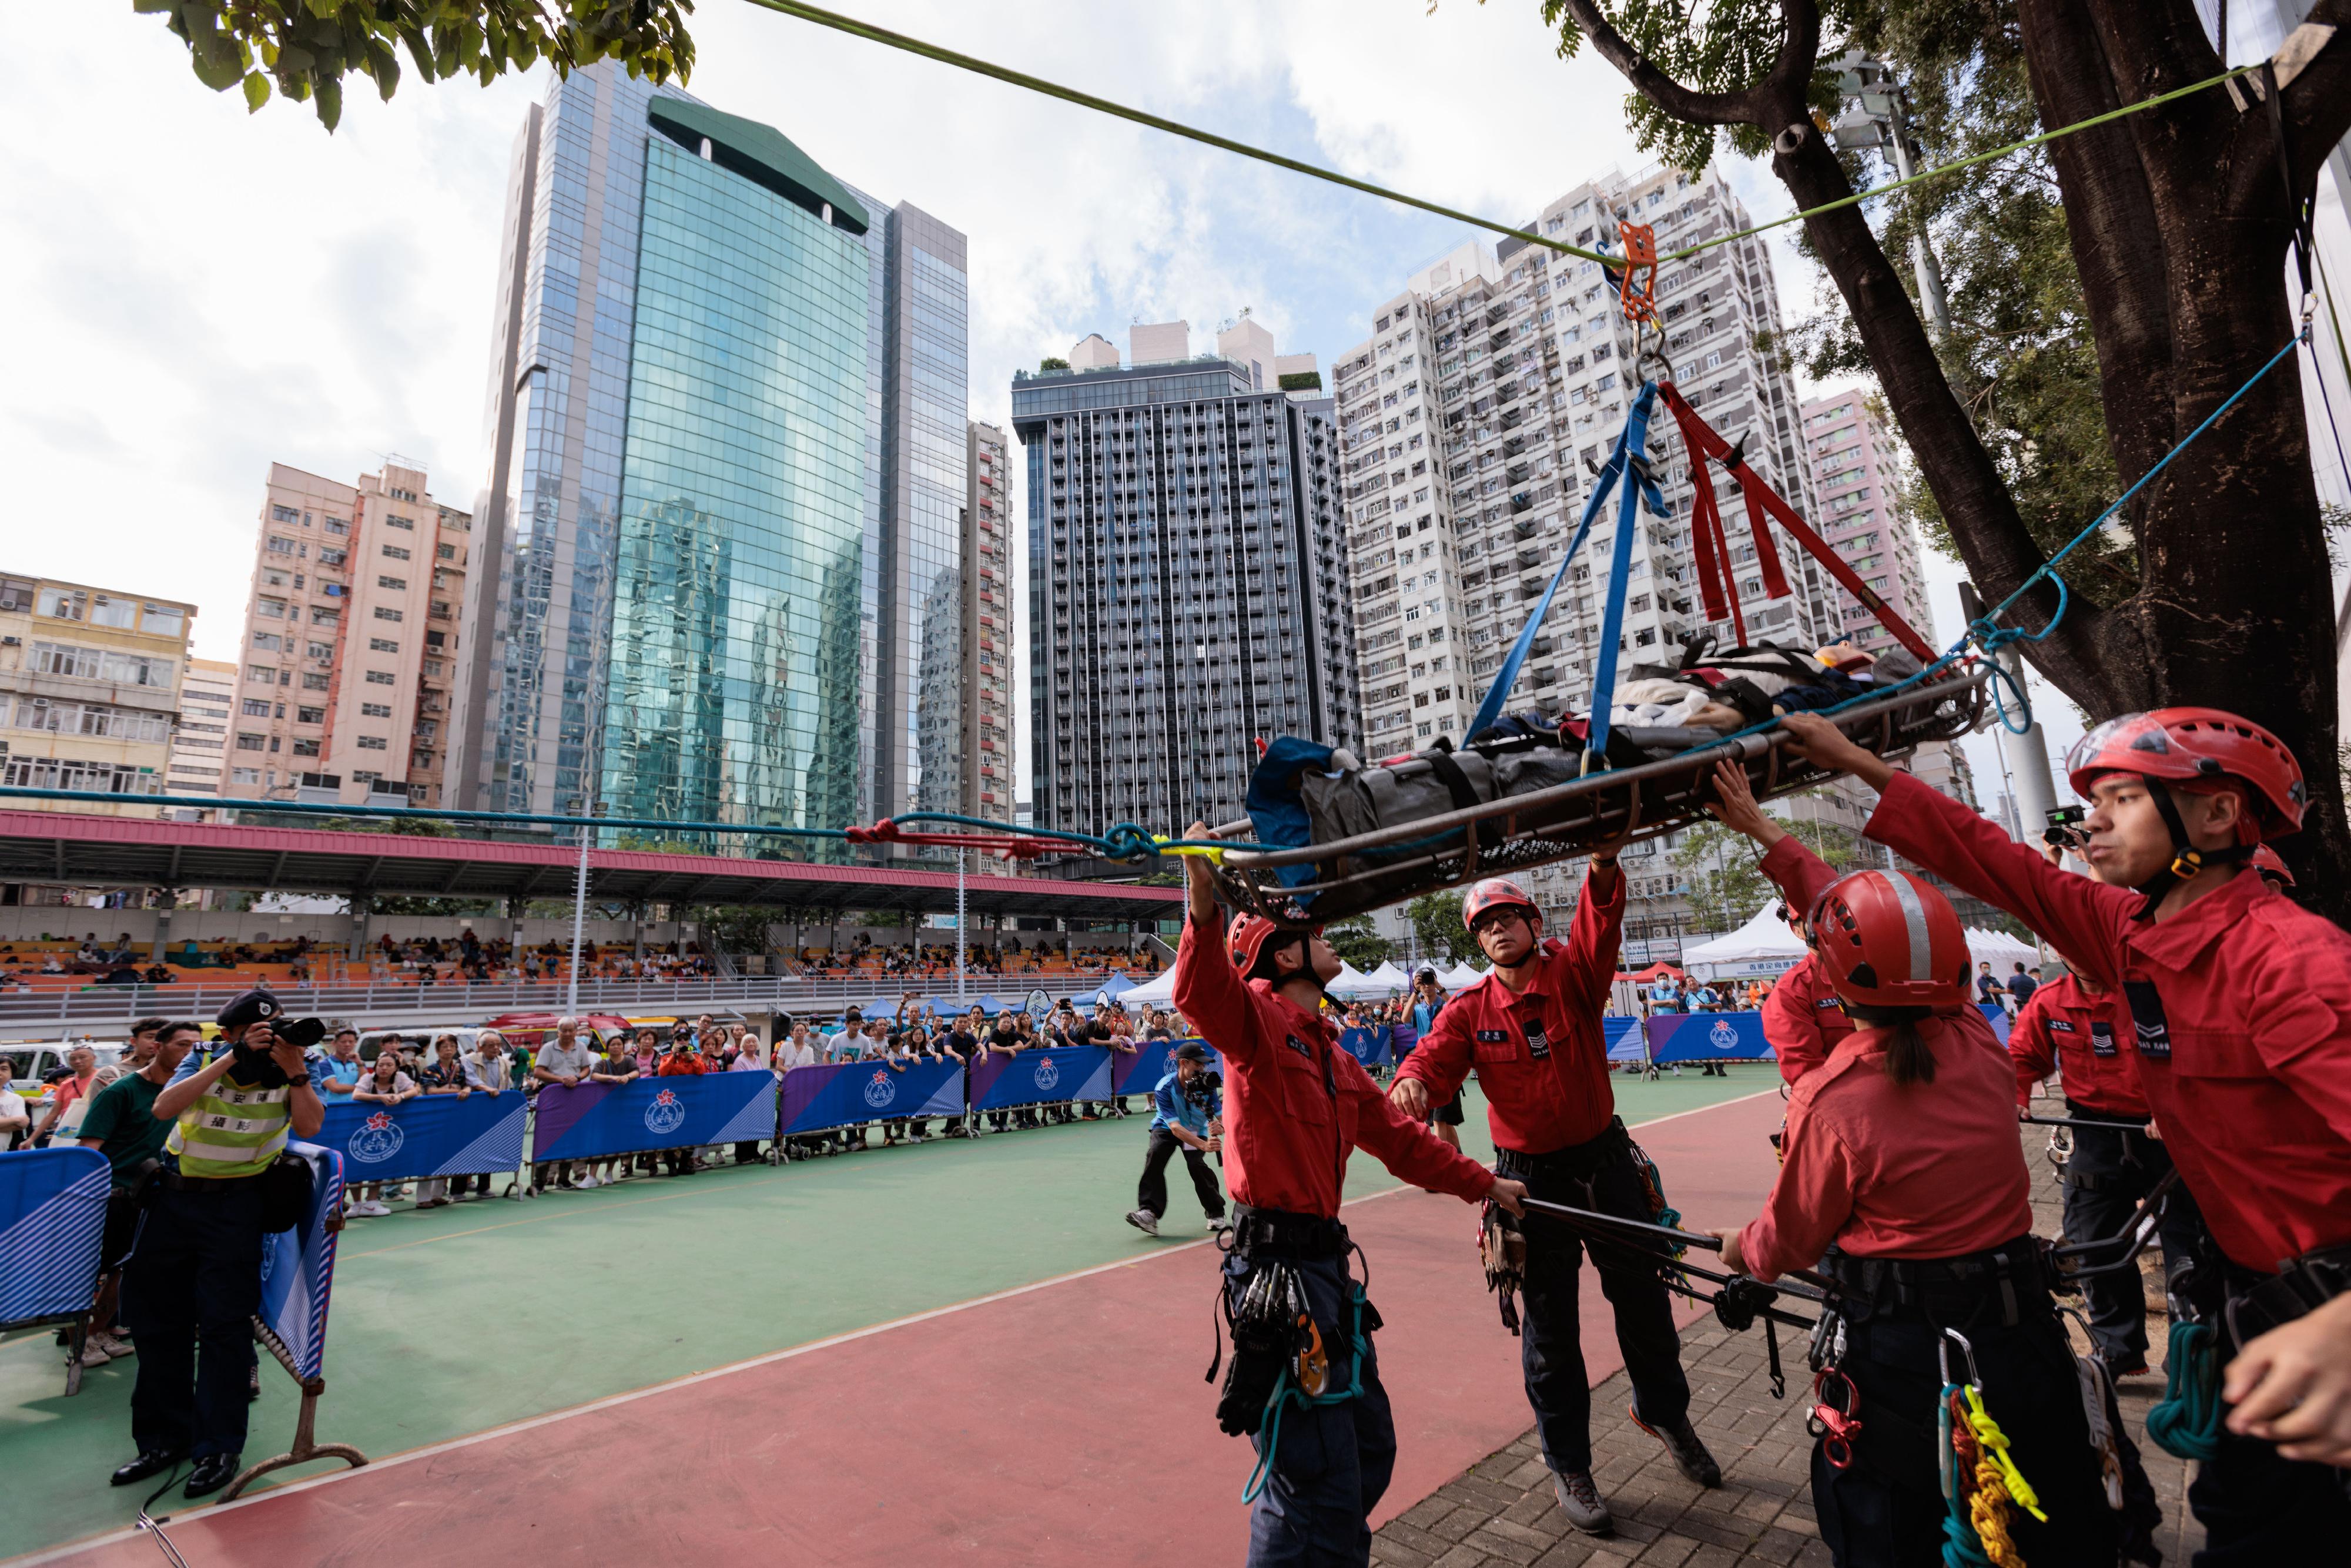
<point x="419" y="1040"/>
<point x="31" y="1061"/>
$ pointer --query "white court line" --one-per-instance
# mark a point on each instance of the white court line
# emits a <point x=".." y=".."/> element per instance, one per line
<point x="410" y="1456"/>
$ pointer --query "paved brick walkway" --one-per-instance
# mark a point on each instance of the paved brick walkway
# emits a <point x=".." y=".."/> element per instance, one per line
<point x="1501" y="1510"/>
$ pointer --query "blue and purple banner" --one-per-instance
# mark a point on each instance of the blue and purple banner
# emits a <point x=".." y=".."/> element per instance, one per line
<point x="1138" y="1072"/>
<point x="297" y="1266"/>
<point x="52" y="1217"/>
<point x="850" y="1094"/>
<point x="1376" y="1047"/>
<point x="1707" y="1037"/>
<point x="431" y="1135"/>
<point x="1038" y="1077"/>
<point x="1627" y="1041"/>
<point x="1996" y="1016"/>
<point x="598" y="1119"/>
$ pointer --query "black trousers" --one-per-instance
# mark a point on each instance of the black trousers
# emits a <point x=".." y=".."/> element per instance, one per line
<point x="2108" y="1173"/>
<point x="188" y="1296"/>
<point x="1150" y="1192"/>
<point x="1887" y="1509"/>
<point x="2258" y="1510"/>
<point x="1600" y="1176"/>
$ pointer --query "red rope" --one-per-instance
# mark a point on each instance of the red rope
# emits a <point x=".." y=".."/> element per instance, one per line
<point x="1015" y="846"/>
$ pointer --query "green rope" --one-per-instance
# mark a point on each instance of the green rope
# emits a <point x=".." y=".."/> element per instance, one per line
<point x="2186" y="1422"/>
<point x="947" y="56"/>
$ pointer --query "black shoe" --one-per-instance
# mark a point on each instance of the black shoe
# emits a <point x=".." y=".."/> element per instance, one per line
<point x="1681" y="1441"/>
<point x="154" y="1462"/>
<point x="211" y="1473"/>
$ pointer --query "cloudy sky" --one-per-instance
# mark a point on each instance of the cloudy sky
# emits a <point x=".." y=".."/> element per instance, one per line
<point x="199" y="292"/>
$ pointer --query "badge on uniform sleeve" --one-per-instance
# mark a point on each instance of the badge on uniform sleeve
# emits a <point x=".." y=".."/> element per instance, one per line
<point x="2153" y="1029"/>
<point x="2102" y="1038"/>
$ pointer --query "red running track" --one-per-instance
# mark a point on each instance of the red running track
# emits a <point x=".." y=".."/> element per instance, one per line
<point x="1063" y="1423"/>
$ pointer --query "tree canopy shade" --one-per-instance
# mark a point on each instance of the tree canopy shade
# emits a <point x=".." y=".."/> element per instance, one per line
<point x="305" y="47"/>
<point x="1358" y="941"/>
<point x="2177" y="222"/>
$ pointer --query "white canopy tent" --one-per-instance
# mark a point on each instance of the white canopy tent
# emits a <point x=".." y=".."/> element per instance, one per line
<point x="1158" y="992"/>
<point x="1459" y="977"/>
<point x="1354" y="985"/>
<point x="2000" y="949"/>
<point x="1388" y="975"/>
<point x="1761" y="946"/>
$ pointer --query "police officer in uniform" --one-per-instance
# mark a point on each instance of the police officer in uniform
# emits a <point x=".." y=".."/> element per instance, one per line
<point x="1903" y="1164"/>
<point x="194" y="1282"/>
<point x="1296" y="1104"/>
<point x="1531" y="1028"/>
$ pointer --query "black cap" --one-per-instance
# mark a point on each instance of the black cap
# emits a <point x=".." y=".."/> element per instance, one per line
<point x="1191" y="1051"/>
<point x="1425" y="974"/>
<point x="256" y="1006"/>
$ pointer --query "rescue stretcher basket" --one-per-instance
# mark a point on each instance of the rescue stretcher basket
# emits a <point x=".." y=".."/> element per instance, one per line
<point x="1517" y="832"/>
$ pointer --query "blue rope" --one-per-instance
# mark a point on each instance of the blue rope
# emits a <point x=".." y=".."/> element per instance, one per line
<point x="2186" y="1422"/>
<point x="1638" y="486"/>
<point x="1286" y="1393"/>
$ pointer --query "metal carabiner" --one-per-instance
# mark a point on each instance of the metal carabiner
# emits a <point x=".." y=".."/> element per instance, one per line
<point x="1943" y="1358"/>
<point x="1835" y="1425"/>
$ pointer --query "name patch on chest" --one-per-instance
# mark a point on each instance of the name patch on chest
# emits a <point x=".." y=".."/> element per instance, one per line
<point x="2102" y="1038"/>
<point x="1492" y="1036"/>
<point x="2153" y="1029"/>
<point x="2059" y="1026"/>
<point x="1298" y="1045"/>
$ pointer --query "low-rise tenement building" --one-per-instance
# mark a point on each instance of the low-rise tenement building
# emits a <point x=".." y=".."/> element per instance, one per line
<point x="90" y="689"/>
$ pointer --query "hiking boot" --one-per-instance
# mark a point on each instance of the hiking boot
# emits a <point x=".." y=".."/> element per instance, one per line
<point x="1681" y="1440"/>
<point x="2124" y="1363"/>
<point x="1580" y="1501"/>
<point x="1143" y="1219"/>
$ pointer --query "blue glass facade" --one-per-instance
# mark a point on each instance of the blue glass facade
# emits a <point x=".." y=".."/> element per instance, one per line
<point x="736" y="607"/>
<point x="714" y="537"/>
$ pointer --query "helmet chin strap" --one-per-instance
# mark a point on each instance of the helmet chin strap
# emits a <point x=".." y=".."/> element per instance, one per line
<point x="2187" y="860"/>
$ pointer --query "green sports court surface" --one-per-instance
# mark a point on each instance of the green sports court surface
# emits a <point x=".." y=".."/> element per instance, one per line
<point x="474" y="1317"/>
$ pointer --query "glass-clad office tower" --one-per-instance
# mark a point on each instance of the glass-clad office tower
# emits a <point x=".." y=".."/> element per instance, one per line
<point x="706" y="530"/>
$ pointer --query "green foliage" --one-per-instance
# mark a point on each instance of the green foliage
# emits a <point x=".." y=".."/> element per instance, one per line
<point x="305" y="47"/>
<point x="439" y="908"/>
<point x="1840" y="847"/>
<point x="2020" y="353"/>
<point x="1358" y="941"/>
<point x="1436" y="923"/>
<point x="654" y="844"/>
<point x="1053" y="362"/>
<point x="1301" y="381"/>
<point x="734" y="928"/>
<point x="1724" y="46"/>
<point x="1720" y="880"/>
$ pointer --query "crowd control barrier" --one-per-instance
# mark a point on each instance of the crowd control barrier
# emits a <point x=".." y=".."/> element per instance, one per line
<point x="297" y="1280"/>
<point x="1378" y="1047"/>
<point x="851" y="1093"/>
<point x="1626" y="1039"/>
<point x="52" y="1221"/>
<point x="590" y="1121"/>
<point x="1707" y="1037"/>
<point x="1041" y="1077"/>
<point x="431" y="1135"/>
<point x="1996" y="1016"/>
<point x="1138" y="1072"/>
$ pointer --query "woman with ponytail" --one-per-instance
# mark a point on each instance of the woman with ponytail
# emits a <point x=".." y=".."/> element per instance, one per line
<point x="1906" y="1182"/>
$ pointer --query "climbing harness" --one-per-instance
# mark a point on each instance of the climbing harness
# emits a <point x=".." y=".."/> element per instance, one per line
<point x="2097" y="1401"/>
<point x="1304" y="1376"/>
<point x="1502" y="1253"/>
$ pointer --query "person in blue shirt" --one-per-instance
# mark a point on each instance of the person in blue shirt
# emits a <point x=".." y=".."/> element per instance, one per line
<point x="1428" y="1000"/>
<point x="1186" y="1113"/>
<point x="1665" y="996"/>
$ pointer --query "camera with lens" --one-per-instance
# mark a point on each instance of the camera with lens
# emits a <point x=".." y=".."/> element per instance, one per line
<point x="1204" y="1086"/>
<point x="2064" y="829"/>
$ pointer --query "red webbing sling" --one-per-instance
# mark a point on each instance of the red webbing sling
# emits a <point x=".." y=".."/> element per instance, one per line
<point x="1716" y="580"/>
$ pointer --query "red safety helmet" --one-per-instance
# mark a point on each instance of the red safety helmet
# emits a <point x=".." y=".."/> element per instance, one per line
<point x="1249" y="936"/>
<point x="1889" y="939"/>
<point x="2193" y="748"/>
<point x="1497" y="893"/>
<point x="2271" y="864"/>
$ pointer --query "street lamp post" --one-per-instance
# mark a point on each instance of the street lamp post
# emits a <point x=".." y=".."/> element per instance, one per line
<point x="578" y="914"/>
<point x="963" y="938"/>
<point x="1881" y="122"/>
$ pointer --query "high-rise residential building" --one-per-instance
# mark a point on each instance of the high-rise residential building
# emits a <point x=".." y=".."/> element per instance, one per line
<point x="90" y="689"/>
<point x="1186" y="580"/>
<point x="723" y="520"/>
<point x="352" y="641"/>
<point x="986" y="741"/>
<point x="1855" y="466"/>
<point x="200" y="745"/>
<point x="1489" y="389"/>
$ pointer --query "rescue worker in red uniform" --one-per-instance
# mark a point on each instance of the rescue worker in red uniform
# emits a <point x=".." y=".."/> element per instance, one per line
<point x="2073" y="1028"/>
<point x="2241" y="1012"/>
<point x="1903" y="1169"/>
<point x="1296" y="1104"/>
<point x="1801" y="1020"/>
<point x="1531" y="1028"/>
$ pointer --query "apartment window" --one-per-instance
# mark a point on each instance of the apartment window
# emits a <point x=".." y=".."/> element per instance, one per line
<point x="337" y="525"/>
<point x="285" y="515"/>
<point x="164" y="620"/>
<point x="381" y="678"/>
<point x="256" y="708"/>
<point x="312" y="681"/>
<point x="306" y="747"/>
<point x="269" y="642"/>
<point x="272" y="609"/>
<point x="278" y="545"/>
<point x="446" y="552"/>
<point x="324" y="615"/>
<point x="245" y="774"/>
<point x="395" y="552"/>
<point x="383" y="645"/>
<point x="376" y="710"/>
<point x="386" y="612"/>
<point x="333" y="557"/>
<point x="107" y="610"/>
<point x="372" y="743"/>
<point x="310" y="715"/>
<point x="399" y="583"/>
<point x="320" y="650"/>
<point x="251" y="742"/>
<point x="395" y="520"/>
<point x="266" y="674"/>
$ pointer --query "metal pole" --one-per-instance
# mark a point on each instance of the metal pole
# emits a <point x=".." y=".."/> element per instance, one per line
<point x="1922" y="255"/>
<point x="963" y="938"/>
<point x="2034" y="792"/>
<point x="578" y="919"/>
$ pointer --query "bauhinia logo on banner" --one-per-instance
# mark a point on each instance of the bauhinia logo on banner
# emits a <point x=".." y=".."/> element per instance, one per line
<point x="666" y="1115"/>
<point x="1722" y="1037"/>
<point x="376" y="1140"/>
<point x="1047" y="1074"/>
<point x="879" y="1089"/>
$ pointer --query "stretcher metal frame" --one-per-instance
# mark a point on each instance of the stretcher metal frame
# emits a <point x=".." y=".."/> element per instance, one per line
<point x="1631" y="803"/>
